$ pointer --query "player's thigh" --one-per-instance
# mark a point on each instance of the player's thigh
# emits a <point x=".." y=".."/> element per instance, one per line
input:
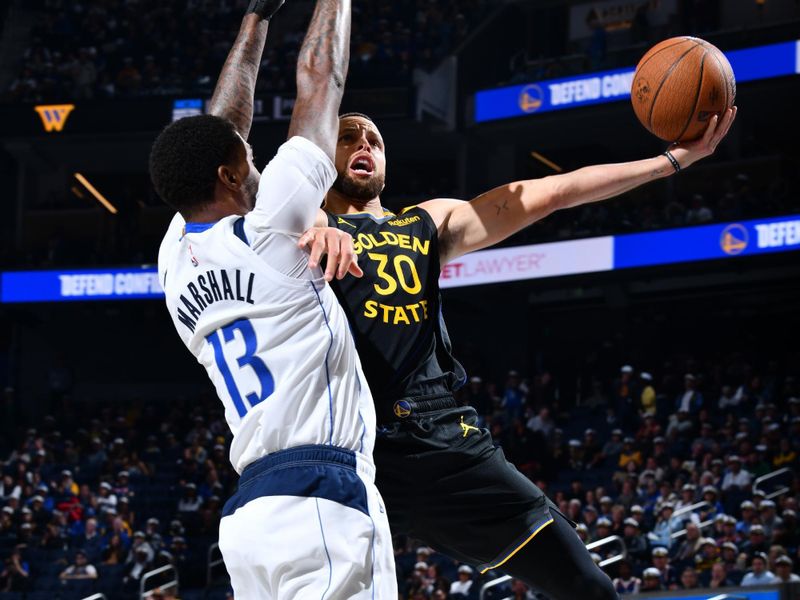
<point x="384" y="572"/>
<point x="288" y="547"/>
<point x="482" y="510"/>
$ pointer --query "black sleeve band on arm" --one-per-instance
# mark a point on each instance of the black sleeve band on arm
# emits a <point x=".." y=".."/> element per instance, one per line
<point x="264" y="8"/>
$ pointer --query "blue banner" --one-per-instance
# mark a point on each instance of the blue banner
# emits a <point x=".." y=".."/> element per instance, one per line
<point x="707" y="242"/>
<point x="517" y="263"/>
<point x="60" y="286"/>
<point x="749" y="64"/>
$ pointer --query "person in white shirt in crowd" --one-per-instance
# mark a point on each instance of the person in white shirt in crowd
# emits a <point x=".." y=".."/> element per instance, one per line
<point x="736" y="478"/>
<point x="690" y="400"/>
<point x="80" y="569"/>
<point x="105" y="497"/>
<point x="759" y="575"/>
<point x="464" y="583"/>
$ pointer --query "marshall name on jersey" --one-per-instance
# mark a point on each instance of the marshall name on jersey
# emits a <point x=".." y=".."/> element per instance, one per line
<point x="210" y="287"/>
<point x="395" y="309"/>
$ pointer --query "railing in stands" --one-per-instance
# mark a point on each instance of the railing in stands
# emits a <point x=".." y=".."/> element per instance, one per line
<point x="728" y="597"/>
<point x="212" y="563"/>
<point x="691" y="508"/>
<point x="612" y="539"/>
<point x="96" y="597"/>
<point x="172" y="583"/>
<point x="701" y="526"/>
<point x="780" y="491"/>
<point x="491" y="584"/>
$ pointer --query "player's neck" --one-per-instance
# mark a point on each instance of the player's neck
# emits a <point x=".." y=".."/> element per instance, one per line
<point x="339" y="204"/>
<point x="216" y="211"/>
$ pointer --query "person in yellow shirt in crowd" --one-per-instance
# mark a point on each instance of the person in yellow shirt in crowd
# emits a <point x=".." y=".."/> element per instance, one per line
<point x="629" y="454"/>
<point x="647" y="399"/>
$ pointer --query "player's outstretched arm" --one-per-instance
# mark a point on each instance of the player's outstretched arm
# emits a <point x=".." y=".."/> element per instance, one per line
<point x="321" y="72"/>
<point x="468" y="226"/>
<point x="235" y="92"/>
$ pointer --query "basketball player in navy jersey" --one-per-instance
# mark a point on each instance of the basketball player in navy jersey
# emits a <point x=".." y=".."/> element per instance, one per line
<point x="443" y="479"/>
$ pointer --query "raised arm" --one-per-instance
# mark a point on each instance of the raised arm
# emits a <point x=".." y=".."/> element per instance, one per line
<point x="235" y="92"/>
<point x="321" y="73"/>
<point x="468" y="226"/>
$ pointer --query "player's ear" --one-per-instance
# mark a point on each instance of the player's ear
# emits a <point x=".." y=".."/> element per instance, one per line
<point x="228" y="177"/>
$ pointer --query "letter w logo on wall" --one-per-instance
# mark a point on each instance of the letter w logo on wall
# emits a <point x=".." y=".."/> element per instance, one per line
<point x="54" y="116"/>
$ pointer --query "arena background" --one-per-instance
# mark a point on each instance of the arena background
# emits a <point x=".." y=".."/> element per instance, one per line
<point x="566" y="332"/>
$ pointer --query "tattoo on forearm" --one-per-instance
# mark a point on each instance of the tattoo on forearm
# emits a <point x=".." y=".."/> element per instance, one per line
<point x="326" y="42"/>
<point x="657" y="172"/>
<point x="501" y="208"/>
<point x="235" y="92"/>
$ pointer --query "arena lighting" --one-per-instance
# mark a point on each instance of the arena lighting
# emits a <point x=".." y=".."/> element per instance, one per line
<point x="546" y="161"/>
<point x="98" y="196"/>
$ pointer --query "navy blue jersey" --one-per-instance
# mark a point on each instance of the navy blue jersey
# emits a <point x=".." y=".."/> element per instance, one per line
<point x="395" y="309"/>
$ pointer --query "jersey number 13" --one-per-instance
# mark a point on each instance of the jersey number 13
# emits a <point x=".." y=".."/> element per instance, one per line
<point x="249" y="359"/>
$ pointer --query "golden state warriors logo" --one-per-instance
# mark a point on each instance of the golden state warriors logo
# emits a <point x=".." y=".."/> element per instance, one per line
<point x="734" y="239"/>
<point x="402" y="409"/>
<point x="54" y="116"/>
<point x="531" y="98"/>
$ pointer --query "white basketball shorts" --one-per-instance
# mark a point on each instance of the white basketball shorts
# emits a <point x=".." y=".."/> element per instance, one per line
<point x="308" y="523"/>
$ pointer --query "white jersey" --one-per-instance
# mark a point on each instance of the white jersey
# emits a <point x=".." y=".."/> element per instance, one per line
<point x="269" y="331"/>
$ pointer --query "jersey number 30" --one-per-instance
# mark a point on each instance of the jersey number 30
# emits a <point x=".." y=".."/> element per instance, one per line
<point x="248" y="359"/>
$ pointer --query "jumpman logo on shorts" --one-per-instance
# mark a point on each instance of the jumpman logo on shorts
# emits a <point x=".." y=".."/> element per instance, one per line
<point x="467" y="428"/>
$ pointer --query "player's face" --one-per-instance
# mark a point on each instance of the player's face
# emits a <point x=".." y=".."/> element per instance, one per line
<point x="360" y="160"/>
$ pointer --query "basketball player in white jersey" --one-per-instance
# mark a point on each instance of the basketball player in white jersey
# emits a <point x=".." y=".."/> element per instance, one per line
<point x="257" y="313"/>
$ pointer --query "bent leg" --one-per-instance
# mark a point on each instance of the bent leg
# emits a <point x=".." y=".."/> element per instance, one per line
<point x="557" y="564"/>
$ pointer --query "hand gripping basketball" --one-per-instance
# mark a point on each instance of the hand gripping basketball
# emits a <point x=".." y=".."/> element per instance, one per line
<point x="265" y="8"/>
<point x="687" y="153"/>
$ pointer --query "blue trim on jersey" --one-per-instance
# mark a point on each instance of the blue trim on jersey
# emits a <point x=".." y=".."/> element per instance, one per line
<point x="317" y="471"/>
<point x="330" y="346"/>
<point x="238" y="230"/>
<point x="198" y="227"/>
<point x="325" y="545"/>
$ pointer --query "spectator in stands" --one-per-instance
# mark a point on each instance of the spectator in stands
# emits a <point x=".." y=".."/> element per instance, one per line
<point x="735" y="479"/>
<point x="717" y="577"/>
<point x="690" y="546"/>
<point x="651" y="581"/>
<point x="135" y="568"/>
<point x="783" y="570"/>
<point x="114" y="553"/>
<point x="79" y="569"/>
<point x="629" y="454"/>
<point x="690" y="401"/>
<point x="769" y="518"/>
<point x="462" y="589"/>
<point x="15" y="576"/>
<point x="647" y="398"/>
<point x="513" y="396"/>
<point x="759" y="575"/>
<point x="689" y="580"/>
<point x="475" y="395"/>
<point x="626" y="582"/>
<point x="756" y="543"/>
<point x="635" y="541"/>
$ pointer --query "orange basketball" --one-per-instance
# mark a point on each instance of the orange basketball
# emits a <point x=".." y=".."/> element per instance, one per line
<point x="679" y="85"/>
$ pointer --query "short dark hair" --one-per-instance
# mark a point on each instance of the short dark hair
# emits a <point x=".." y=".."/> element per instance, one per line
<point x="185" y="158"/>
<point x="356" y="114"/>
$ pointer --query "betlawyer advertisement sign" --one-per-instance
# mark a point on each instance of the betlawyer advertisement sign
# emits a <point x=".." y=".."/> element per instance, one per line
<point x="530" y="262"/>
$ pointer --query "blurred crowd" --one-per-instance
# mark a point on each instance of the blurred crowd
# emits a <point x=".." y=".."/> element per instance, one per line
<point x="132" y="48"/>
<point x="732" y="194"/>
<point x="666" y="460"/>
